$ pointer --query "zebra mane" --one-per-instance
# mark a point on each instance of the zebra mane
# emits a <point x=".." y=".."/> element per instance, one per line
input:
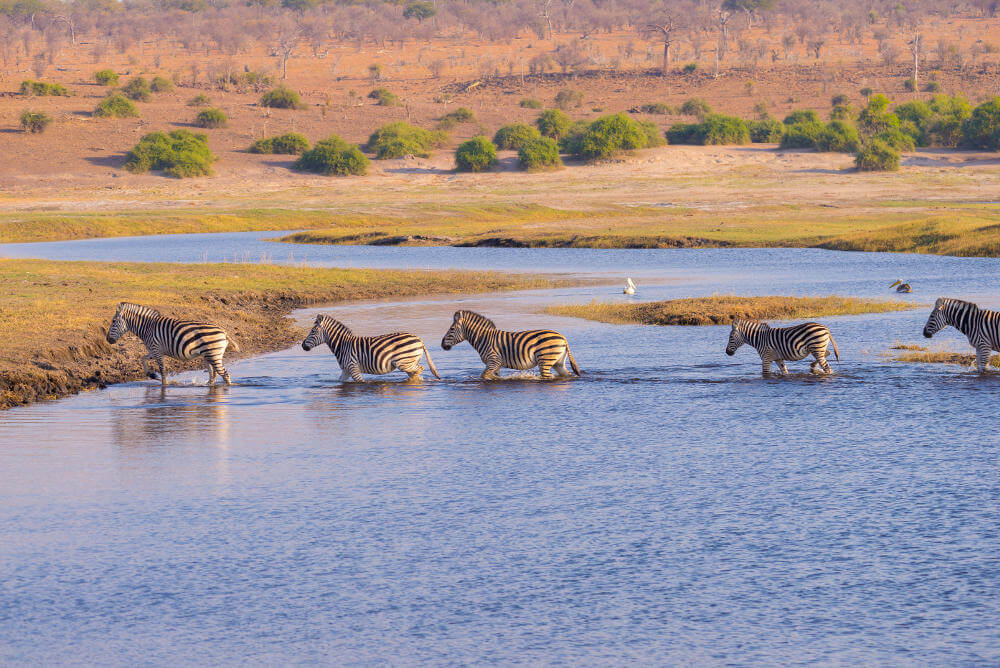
<point x="137" y="309"/>
<point x="744" y="323"/>
<point x="329" y="323"/>
<point x="950" y="301"/>
<point x="472" y="316"/>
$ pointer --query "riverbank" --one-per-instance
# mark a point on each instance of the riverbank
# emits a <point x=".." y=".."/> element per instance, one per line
<point x="722" y="310"/>
<point x="910" y="352"/>
<point x="55" y="314"/>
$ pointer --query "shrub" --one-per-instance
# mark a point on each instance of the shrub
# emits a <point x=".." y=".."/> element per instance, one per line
<point x="569" y="99"/>
<point x="116" y="105"/>
<point x="652" y="132"/>
<point x="944" y="126"/>
<point x="180" y="154"/>
<point x="657" y="108"/>
<point x="514" y="136"/>
<point x="696" y="107"/>
<point x="837" y="136"/>
<point x="476" y="155"/>
<point x="42" y="89"/>
<point x="802" y="135"/>
<point x="199" y="100"/>
<point x="802" y="116"/>
<point x="138" y="89"/>
<point x="932" y="87"/>
<point x="767" y="131"/>
<point x="877" y="156"/>
<point x="287" y="144"/>
<point x="281" y="98"/>
<point x="531" y="103"/>
<point x="842" y="112"/>
<point x="610" y="135"/>
<point x="161" y="85"/>
<point x="384" y="97"/>
<point x="896" y="138"/>
<point x="211" y="118"/>
<point x="982" y="129"/>
<point x="106" y="77"/>
<point x="838" y="100"/>
<point x="910" y="85"/>
<point x="572" y="141"/>
<point x="539" y="154"/>
<point x="690" y="68"/>
<point x="553" y="123"/>
<point x="35" y="121"/>
<point x="682" y="133"/>
<point x="333" y="156"/>
<point x="453" y="118"/>
<point x="875" y="117"/>
<point x="866" y="92"/>
<point x="244" y="81"/>
<point x="395" y="140"/>
<point x="721" y="129"/>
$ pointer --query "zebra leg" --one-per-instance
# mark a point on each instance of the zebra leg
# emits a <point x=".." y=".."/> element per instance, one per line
<point x="410" y="368"/>
<point x="211" y="371"/>
<point x="982" y="357"/>
<point x="781" y="367"/>
<point x="163" y="370"/>
<point x="355" y="371"/>
<point x="545" y="370"/>
<point x="493" y="364"/>
<point x="560" y="366"/>
<point x="145" y="365"/>
<point x="821" y="360"/>
<point x="765" y="363"/>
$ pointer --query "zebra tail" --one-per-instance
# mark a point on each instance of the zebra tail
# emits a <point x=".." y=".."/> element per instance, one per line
<point x="835" y="351"/>
<point x="572" y="362"/>
<point x="430" y="362"/>
<point x="232" y="344"/>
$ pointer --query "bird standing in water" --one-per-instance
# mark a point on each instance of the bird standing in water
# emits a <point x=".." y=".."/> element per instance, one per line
<point x="629" y="287"/>
<point x="903" y="287"/>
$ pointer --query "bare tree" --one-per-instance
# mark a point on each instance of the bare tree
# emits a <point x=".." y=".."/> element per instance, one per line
<point x="666" y="28"/>
<point x="286" y="37"/>
<point x="914" y="45"/>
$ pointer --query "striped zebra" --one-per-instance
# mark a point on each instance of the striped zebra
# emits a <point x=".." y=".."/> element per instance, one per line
<point x="981" y="326"/>
<point x="180" y="339"/>
<point x="780" y="344"/>
<point x="510" y="350"/>
<point x="359" y="355"/>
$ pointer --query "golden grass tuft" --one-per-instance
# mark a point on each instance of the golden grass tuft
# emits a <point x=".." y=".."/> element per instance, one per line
<point x="723" y="309"/>
<point x="922" y="355"/>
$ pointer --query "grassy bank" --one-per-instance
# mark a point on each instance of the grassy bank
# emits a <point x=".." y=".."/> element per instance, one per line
<point x="55" y="314"/>
<point x="908" y="352"/>
<point x="723" y="309"/>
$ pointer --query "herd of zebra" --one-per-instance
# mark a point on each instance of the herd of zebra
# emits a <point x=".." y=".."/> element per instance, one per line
<point x="499" y="349"/>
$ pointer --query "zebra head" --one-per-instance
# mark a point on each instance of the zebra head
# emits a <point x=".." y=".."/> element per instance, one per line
<point x="938" y="318"/>
<point x="119" y="325"/>
<point x="325" y="330"/>
<point x="741" y="333"/>
<point x="455" y="333"/>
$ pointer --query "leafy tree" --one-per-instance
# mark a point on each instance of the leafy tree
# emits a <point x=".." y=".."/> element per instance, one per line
<point x="419" y="10"/>
<point x="553" y="123"/>
<point x="538" y="154"/>
<point x="476" y="155"/>
<point x="180" y="154"/>
<point x="333" y="156"/>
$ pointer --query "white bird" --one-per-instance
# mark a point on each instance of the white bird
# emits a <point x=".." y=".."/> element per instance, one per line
<point x="629" y="287"/>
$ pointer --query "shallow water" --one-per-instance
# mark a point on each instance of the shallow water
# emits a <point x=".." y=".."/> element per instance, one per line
<point x="668" y="506"/>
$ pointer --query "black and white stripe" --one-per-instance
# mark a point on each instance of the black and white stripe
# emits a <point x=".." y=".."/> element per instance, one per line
<point x="781" y="344"/>
<point x="359" y="355"/>
<point x="981" y="326"/>
<point x="498" y="349"/>
<point x="179" y="339"/>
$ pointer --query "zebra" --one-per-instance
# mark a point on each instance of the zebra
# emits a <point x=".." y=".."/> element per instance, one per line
<point x="511" y="350"/>
<point x="778" y="344"/>
<point x="981" y="326"/>
<point x="359" y="355"/>
<point x="180" y="339"/>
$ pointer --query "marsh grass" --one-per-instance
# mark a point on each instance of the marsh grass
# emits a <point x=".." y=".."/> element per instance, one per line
<point x="723" y="309"/>
<point x="919" y="354"/>
<point x="56" y="313"/>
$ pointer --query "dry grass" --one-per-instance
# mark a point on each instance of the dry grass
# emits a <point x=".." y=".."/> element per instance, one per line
<point x="55" y="314"/>
<point x="964" y="235"/>
<point x="922" y="355"/>
<point x="723" y="309"/>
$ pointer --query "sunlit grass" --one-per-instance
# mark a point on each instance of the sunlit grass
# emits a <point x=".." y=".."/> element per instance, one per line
<point x="922" y="355"/>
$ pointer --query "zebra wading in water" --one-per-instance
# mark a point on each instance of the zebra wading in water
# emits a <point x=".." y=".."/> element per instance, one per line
<point x="981" y="326"/>
<point x="180" y="339"/>
<point x="781" y="344"/>
<point x="498" y="349"/>
<point x="359" y="355"/>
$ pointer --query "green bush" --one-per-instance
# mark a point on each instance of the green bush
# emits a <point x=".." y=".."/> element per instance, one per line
<point x="199" y="100"/>
<point x="653" y="135"/>
<point x="539" y="154"/>
<point x="767" y="131"/>
<point x="514" y="136"/>
<point x="657" y="108"/>
<point x="802" y="116"/>
<point x="180" y="154"/>
<point x="397" y="139"/>
<point x="839" y="137"/>
<point x="553" y="123"/>
<point x="106" y="77"/>
<point x="690" y="68"/>
<point x="35" y="121"/>
<point x="42" y="89"/>
<point x="910" y="85"/>
<point x="875" y="117"/>
<point x="116" y="105"/>
<point x="932" y="87"/>
<point x="244" y="81"/>
<point x="211" y="118"/>
<point x="683" y="133"/>
<point x="384" y="97"/>
<point x="877" y="156"/>
<point x="476" y="155"/>
<point x="610" y="135"/>
<point x="944" y="127"/>
<point x="453" y="118"/>
<point x="282" y="98"/>
<point x="531" y="103"/>
<point x="333" y="156"/>
<point x="161" y="85"/>
<point x="839" y="100"/>
<point x="287" y="144"/>
<point x="138" y="89"/>
<point x="802" y="135"/>
<point x="866" y="92"/>
<point x="896" y="138"/>
<point x="982" y="129"/>
<point x="569" y="99"/>
<point x="696" y="107"/>
<point x="721" y="129"/>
